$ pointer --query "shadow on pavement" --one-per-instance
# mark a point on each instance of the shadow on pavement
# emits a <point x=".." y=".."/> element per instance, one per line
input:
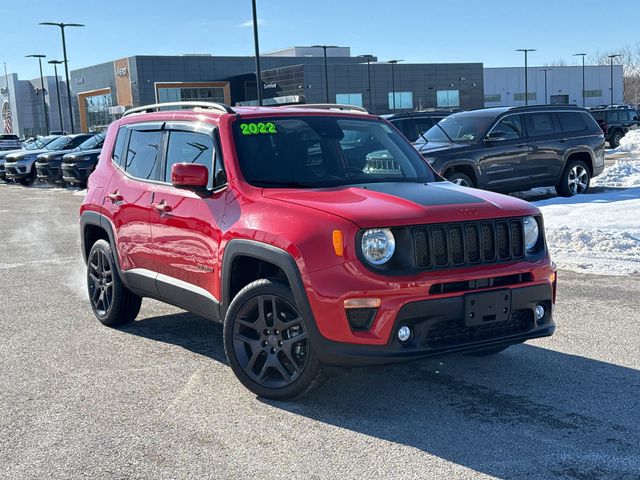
<point x="527" y="412"/>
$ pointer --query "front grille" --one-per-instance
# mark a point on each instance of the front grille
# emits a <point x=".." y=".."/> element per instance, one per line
<point x="450" y="333"/>
<point x="464" y="244"/>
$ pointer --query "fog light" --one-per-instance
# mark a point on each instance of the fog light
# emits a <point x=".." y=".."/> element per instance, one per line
<point x="404" y="334"/>
<point x="539" y="312"/>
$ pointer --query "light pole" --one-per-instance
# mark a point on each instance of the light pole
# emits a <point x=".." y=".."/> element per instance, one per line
<point x="611" y="57"/>
<point x="368" y="57"/>
<point x="55" y="64"/>
<point x="66" y="62"/>
<point x="256" y="45"/>
<point x="393" y="81"/>
<point x="44" y="101"/>
<point x="326" y="71"/>
<point x="545" y="70"/>
<point x="526" y="81"/>
<point x="583" y="87"/>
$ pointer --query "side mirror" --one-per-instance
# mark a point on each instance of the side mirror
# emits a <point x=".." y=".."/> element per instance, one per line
<point x="495" y="137"/>
<point x="189" y="175"/>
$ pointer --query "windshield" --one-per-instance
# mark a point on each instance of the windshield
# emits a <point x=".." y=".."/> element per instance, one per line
<point x="67" y="143"/>
<point x="91" y="143"/>
<point x="458" y="128"/>
<point x="325" y="151"/>
<point x="39" y="143"/>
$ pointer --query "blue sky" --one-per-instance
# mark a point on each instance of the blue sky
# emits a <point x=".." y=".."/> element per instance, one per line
<point x="413" y="30"/>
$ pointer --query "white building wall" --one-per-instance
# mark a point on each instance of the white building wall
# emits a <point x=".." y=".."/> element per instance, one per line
<point x="508" y="82"/>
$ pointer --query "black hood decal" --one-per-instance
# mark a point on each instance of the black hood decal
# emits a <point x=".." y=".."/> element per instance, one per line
<point x="425" y="194"/>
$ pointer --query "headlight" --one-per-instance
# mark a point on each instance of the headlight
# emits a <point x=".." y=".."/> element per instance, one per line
<point x="531" y="232"/>
<point x="378" y="245"/>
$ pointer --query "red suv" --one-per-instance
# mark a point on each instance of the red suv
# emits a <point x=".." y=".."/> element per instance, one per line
<point x="318" y="236"/>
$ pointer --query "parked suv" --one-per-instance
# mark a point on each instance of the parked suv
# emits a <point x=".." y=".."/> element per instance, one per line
<point x="49" y="165"/>
<point x="272" y="221"/>
<point x="413" y="124"/>
<point x="30" y="145"/>
<point x="615" y="121"/>
<point x="78" y="165"/>
<point x="508" y="149"/>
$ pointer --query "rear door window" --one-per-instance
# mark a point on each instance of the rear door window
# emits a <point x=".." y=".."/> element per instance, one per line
<point x="572" y="121"/>
<point x="143" y="154"/>
<point x="539" y="124"/>
<point x="613" y="116"/>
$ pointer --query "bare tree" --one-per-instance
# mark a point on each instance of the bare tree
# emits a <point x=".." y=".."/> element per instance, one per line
<point x="630" y="61"/>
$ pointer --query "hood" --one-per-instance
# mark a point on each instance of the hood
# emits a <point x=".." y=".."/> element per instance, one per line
<point x="54" y="155"/>
<point x="25" y="155"/>
<point x="400" y="203"/>
<point x="73" y="156"/>
<point x="436" y="147"/>
<point x="4" y="153"/>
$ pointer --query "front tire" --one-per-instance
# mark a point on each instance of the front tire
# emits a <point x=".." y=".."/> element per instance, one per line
<point x="267" y="342"/>
<point x="112" y="303"/>
<point x="459" y="179"/>
<point x="575" y="179"/>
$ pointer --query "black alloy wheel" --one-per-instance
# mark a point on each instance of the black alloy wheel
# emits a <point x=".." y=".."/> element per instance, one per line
<point x="101" y="283"/>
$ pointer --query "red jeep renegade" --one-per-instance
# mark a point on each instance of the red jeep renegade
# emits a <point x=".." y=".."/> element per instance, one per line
<point x="317" y="234"/>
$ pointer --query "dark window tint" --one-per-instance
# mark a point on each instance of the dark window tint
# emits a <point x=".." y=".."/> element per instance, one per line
<point x="599" y="116"/>
<point x="143" y="155"/>
<point x="189" y="147"/>
<point x="539" y="124"/>
<point x="509" y="128"/>
<point x="572" y="121"/>
<point x="117" y="155"/>
<point x="423" y="124"/>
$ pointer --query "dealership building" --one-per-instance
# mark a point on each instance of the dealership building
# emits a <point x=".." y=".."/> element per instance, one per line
<point x="100" y="93"/>
<point x="563" y="85"/>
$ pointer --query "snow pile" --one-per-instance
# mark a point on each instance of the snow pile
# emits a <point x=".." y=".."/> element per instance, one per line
<point x="630" y="143"/>
<point x="596" y="233"/>
<point x="624" y="173"/>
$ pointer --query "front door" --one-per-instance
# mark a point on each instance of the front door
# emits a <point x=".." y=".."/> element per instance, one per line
<point x="186" y="225"/>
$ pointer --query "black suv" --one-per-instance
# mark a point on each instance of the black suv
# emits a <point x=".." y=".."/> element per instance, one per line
<point x="509" y="149"/>
<point x="412" y="124"/>
<point x="49" y="166"/>
<point x="615" y="121"/>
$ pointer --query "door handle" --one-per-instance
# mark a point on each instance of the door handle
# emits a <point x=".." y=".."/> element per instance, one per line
<point x="161" y="207"/>
<point x="115" y="196"/>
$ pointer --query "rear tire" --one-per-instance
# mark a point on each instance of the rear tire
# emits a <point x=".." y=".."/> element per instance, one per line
<point x="575" y="179"/>
<point x="112" y="303"/>
<point x="614" y="142"/>
<point x="459" y="179"/>
<point x="267" y="342"/>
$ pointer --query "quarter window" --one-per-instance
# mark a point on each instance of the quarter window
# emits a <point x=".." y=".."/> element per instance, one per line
<point x="143" y="155"/>
<point x="539" y="124"/>
<point x="572" y="122"/>
<point x="189" y="147"/>
<point x="117" y="149"/>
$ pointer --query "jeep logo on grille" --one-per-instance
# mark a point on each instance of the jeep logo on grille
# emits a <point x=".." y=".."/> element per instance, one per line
<point x="467" y="212"/>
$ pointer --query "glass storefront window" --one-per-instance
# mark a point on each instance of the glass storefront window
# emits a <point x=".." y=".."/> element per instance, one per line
<point x="402" y="100"/>
<point x="185" y="94"/>
<point x="97" y="108"/>
<point x="448" y="98"/>
<point x="349" y="99"/>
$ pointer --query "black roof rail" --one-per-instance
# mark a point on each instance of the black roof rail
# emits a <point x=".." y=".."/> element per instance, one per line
<point x="221" y="107"/>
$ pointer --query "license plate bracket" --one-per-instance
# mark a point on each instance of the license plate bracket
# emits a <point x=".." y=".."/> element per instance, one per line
<point x="487" y="307"/>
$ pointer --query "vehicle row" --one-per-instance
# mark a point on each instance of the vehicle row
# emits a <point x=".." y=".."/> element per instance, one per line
<point x="54" y="159"/>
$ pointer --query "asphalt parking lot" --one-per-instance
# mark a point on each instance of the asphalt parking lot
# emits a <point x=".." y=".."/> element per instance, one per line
<point x="156" y="399"/>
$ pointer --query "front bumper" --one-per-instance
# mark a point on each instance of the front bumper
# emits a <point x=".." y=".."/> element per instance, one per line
<point x="17" y="171"/>
<point x="49" y="171"/>
<point x="439" y="328"/>
<point x="77" y="172"/>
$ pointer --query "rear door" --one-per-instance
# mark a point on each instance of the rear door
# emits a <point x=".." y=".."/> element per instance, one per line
<point x="186" y="225"/>
<point x="548" y="143"/>
<point x="128" y="197"/>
